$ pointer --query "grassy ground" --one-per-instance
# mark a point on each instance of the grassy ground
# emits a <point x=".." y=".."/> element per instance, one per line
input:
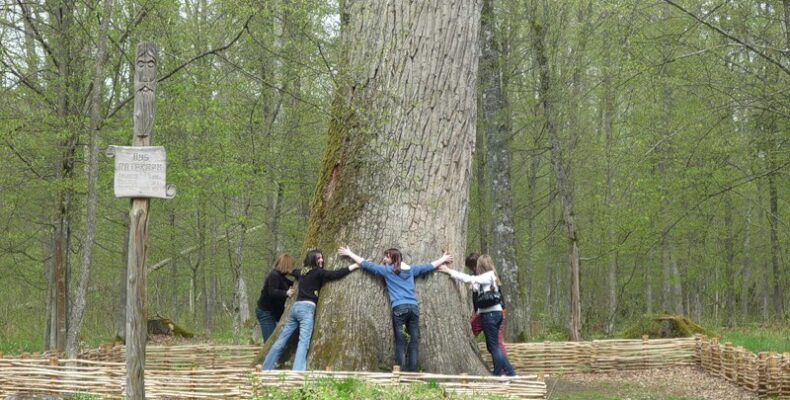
<point x="353" y="389"/>
<point x="758" y="338"/>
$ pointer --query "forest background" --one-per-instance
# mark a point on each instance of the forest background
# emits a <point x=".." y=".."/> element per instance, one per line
<point x="652" y="136"/>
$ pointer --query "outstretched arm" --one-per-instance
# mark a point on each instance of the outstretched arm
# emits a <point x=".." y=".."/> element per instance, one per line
<point x="366" y="265"/>
<point x="346" y="251"/>
<point x="446" y="258"/>
<point x="483" y="279"/>
<point x="422" y="269"/>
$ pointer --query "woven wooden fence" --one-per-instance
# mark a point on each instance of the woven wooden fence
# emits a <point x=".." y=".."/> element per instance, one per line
<point x="766" y="374"/>
<point x="203" y="371"/>
<point x="35" y="376"/>
<point x="181" y="356"/>
<point x="597" y="355"/>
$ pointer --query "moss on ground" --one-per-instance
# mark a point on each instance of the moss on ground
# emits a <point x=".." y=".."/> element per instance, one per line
<point x="662" y="326"/>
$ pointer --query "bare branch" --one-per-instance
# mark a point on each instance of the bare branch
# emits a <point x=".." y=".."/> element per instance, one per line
<point x="728" y="36"/>
<point x="214" y="51"/>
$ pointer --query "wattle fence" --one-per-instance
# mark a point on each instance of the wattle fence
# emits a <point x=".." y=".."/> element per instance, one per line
<point x="206" y="371"/>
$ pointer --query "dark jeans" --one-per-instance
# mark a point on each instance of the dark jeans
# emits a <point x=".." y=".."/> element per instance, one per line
<point x="409" y="315"/>
<point x="491" y="322"/>
<point x="267" y="320"/>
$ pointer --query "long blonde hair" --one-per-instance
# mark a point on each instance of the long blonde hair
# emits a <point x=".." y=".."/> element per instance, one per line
<point x="484" y="264"/>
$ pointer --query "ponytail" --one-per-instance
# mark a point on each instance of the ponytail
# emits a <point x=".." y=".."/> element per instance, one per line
<point x="396" y="258"/>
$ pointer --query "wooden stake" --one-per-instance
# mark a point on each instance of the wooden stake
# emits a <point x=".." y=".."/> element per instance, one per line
<point x="136" y="329"/>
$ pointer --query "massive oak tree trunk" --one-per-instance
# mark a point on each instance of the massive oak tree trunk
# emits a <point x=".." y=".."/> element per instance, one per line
<point x="396" y="173"/>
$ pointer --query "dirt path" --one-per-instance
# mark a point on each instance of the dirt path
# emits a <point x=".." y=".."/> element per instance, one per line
<point x="679" y="383"/>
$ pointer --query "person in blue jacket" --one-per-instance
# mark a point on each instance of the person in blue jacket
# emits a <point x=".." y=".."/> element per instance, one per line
<point x="399" y="277"/>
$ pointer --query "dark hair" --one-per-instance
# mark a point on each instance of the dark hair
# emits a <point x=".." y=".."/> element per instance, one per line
<point x="311" y="259"/>
<point x="395" y="257"/>
<point x="471" y="261"/>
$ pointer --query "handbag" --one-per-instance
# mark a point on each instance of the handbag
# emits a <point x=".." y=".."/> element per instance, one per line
<point x="489" y="299"/>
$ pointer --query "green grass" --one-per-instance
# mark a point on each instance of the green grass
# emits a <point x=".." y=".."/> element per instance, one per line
<point x="354" y="389"/>
<point x="758" y="338"/>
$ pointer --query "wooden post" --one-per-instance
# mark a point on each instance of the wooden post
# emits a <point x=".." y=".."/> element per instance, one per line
<point x="728" y="359"/>
<point x="396" y="374"/>
<point x="783" y="371"/>
<point x="774" y="383"/>
<point x="645" y="354"/>
<point x="762" y="380"/>
<point x="698" y="349"/>
<point x="546" y="357"/>
<point x="136" y="328"/>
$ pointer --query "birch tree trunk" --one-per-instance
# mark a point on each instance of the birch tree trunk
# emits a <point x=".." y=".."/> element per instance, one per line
<point x="396" y="173"/>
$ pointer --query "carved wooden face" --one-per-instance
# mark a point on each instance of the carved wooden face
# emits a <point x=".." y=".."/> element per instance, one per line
<point x="145" y="69"/>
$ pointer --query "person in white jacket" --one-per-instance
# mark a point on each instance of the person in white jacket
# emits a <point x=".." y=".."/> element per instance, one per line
<point x="486" y="284"/>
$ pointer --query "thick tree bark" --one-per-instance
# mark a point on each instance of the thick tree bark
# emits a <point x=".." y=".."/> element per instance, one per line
<point x="494" y="117"/>
<point x="396" y="173"/>
<point x="78" y="310"/>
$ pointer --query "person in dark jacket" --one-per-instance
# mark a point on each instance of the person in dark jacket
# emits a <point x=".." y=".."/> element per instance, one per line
<point x="302" y="315"/>
<point x="276" y="289"/>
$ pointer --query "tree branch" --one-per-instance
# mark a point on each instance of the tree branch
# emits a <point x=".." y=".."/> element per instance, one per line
<point x="214" y="51"/>
<point x="188" y="250"/>
<point x="728" y="36"/>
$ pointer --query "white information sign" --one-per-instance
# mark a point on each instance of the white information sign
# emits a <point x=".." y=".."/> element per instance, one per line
<point x="141" y="172"/>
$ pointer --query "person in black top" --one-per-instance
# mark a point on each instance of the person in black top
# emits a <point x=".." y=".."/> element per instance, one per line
<point x="302" y="313"/>
<point x="276" y="289"/>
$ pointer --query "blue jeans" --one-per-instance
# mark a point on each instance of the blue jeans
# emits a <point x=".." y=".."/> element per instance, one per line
<point x="409" y="315"/>
<point x="301" y="316"/>
<point x="268" y="322"/>
<point x="491" y="322"/>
